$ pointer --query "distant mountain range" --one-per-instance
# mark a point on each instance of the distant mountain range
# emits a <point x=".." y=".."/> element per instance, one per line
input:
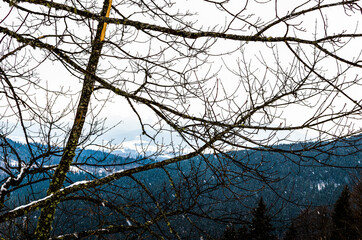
<point x="297" y="178"/>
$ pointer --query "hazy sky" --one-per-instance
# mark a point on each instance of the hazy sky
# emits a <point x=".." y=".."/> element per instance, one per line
<point x="208" y="17"/>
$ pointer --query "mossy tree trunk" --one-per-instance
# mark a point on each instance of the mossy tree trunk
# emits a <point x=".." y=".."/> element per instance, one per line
<point x="47" y="213"/>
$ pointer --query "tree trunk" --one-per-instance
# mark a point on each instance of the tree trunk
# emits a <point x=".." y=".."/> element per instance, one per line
<point x="47" y="213"/>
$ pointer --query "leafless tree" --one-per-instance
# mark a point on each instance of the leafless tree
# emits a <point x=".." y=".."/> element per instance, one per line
<point x="202" y="78"/>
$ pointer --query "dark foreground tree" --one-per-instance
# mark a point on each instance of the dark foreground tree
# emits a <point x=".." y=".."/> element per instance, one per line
<point x="191" y="79"/>
<point x="310" y="224"/>
<point x="344" y="225"/>
<point x="356" y="199"/>
<point x="261" y="226"/>
<point x="230" y="233"/>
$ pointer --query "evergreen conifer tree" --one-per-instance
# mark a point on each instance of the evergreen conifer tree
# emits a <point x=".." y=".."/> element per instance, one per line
<point x="311" y="224"/>
<point x="230" y="233"/>
<point x="344" y="227"/>
<point x="356" y="201"/>
<point x="243" y="233"/>
<point x="290" y="234"/>
<point x="261" y="227"/>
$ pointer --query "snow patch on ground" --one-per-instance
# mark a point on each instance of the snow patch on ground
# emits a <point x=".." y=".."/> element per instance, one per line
<point x="321" y="186"/>
<point x="129" y="222"/>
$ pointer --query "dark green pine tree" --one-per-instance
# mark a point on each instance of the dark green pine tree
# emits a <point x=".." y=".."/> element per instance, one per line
<point x="291" y="233"/>
<point x="230" y="233"/>
<point x="261" y="227"/>
<point x="243" y="233"/>
<point x="344" y="227"/>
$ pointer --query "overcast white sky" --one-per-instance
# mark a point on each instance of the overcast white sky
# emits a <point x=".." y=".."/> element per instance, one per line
<point x="208" y="17"/>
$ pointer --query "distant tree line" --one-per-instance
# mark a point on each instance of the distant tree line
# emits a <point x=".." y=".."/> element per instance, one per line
<point x="342" y="222"/>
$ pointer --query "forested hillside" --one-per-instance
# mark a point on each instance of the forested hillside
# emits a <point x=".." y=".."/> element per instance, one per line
<point x="295" y="184"/>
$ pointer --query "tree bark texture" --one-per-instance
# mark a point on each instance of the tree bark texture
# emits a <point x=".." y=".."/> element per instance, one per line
<point x="47" y="213"/>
